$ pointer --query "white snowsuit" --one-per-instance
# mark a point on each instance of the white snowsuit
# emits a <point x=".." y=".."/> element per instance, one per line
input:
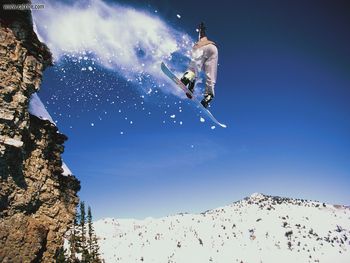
<point x="205" y="57"/>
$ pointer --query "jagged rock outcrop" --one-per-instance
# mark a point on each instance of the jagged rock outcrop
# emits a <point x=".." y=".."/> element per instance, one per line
<point x="37" y="202"/>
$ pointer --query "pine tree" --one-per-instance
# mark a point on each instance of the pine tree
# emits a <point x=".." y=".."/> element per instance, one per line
<point x="95" y="250"/>
<point x="90" y="230"/>
<point x="92" y="240"/>
<point x="61" y="255"/>
<point x="83" y="245"/>
<point x="74" y="240"/>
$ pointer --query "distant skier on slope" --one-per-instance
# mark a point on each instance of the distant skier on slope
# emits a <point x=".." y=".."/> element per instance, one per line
<point x="204" y="57"/>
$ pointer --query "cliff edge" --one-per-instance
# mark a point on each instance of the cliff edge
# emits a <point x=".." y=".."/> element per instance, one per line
<point x="37" y="202"/>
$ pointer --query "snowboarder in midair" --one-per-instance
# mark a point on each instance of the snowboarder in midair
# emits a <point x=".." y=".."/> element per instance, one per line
<point x="204" y="57"/>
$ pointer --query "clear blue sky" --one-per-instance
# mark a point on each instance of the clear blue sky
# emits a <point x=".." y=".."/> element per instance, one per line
<point x="283" y="89"/>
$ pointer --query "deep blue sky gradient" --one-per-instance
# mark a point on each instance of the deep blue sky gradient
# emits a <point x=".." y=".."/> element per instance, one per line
<point x="283" y="89"/>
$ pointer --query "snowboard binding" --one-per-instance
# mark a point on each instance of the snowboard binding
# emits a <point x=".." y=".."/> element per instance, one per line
<point x="189" y="80"/>
<point x="207" y="99"/>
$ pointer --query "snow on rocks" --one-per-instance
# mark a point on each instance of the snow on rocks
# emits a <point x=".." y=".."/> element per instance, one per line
<point x="37" y="108"/>
<point x="66" y="170"/>
<point x="259" y="228"/>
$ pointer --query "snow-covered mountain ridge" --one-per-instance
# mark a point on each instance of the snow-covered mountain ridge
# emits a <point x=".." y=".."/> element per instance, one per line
<point x="257" y="229"/>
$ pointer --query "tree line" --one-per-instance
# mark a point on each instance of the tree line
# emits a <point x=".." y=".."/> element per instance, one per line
<point x="82" y="241"/>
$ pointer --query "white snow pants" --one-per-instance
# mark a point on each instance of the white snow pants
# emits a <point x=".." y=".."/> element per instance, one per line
<point x="206" y="58"/>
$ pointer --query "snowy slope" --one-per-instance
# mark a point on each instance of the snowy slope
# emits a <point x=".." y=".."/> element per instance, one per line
<point x="256" y="229"/>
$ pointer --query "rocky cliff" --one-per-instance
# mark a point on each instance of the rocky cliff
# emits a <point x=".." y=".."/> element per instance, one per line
<point x="37" y="202"/>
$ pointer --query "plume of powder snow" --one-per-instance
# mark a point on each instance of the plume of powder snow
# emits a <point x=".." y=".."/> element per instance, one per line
<point x="120" y="38"/>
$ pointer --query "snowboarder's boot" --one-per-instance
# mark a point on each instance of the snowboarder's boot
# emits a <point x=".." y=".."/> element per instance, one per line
<point x="207" y="99"/>
<point x="189" y="79"/>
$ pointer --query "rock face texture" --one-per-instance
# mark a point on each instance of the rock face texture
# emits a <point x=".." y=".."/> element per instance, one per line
<point x="37" y="202"/>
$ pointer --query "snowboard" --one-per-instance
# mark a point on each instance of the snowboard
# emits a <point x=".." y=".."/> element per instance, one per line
<point x="189" y="94"/>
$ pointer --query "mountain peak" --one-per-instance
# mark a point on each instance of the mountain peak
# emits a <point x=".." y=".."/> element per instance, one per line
<point x="257" y="196"/>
